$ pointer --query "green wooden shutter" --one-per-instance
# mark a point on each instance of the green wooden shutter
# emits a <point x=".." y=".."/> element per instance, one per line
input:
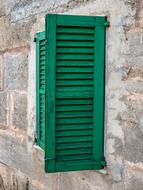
<point x="75" y="87"/>
<point x="40" y="88"/>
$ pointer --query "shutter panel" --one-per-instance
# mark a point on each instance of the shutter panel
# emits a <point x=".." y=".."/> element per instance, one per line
<point x="40" y="88"/>
<point x="75" y="114"/>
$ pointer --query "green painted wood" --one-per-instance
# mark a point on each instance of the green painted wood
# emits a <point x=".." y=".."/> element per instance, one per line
<point x="99" y="77"/>
<point x="50" y="89"/>
<point x="61" y="146"/>
<point x="75" y="37"/>
<point x="78" y="165"/>
<point x="80" y="157"/>
<point x="40" y="89"/>
<point x="75" y="50"/>
<point x="75" y="54"/>
<point x="73" y="126"/>
<point x="73" y="114"/>
<point x="74" y="88"/>
<point x="73" y="133"/>
<point x="73" y="139"/>
<point x="75" y="30"/>
<point x="75" y="102"/>
<point x="74" y="70"/>
<point x="74" y="108"/>
<point x="74" y="76"/>
<point x="74" y="82"/>
<point x="80" y="21"/>
<point x="74" y="151"/>
<point x="74" y="95"/>
<point x="75" y="44"/>
<point x="79" y="120"/>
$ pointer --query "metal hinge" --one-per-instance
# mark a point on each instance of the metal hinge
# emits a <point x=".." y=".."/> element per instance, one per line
<point x="35" y="39"/>
<point x="106" y="24"/>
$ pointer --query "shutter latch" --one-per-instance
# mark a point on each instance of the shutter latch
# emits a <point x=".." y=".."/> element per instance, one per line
<point x="46" y="159"/>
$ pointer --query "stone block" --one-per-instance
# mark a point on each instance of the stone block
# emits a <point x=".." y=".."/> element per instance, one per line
<point x="14" y="153"/>
<point x="3" y="108"/>
<point x="135" y="42"/>
<point x="85" y="180"/>
<point x="27" y="8"/>
<point x="16" y="70"/>
<point x="9" y="180"/>
<point x="2" y="12"/>
<point x="13" y="35"/>
<point x="20" y="111"/>
<point x="132" y="126"/>
<point x="117" y="171"/>
<point x="133" y="180"/>
<point x="136" y="184"/>
<point x="133" y="144"/>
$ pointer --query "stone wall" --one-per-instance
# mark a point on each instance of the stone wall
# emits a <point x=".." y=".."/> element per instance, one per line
<point x="21" y="162"/>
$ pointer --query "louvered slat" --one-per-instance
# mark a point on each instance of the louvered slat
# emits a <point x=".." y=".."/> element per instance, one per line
<point x="74" y="157"/>
<point x="40" y="85"/>
<point x="74" y="68"/>
<point x="62" y="146"/>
